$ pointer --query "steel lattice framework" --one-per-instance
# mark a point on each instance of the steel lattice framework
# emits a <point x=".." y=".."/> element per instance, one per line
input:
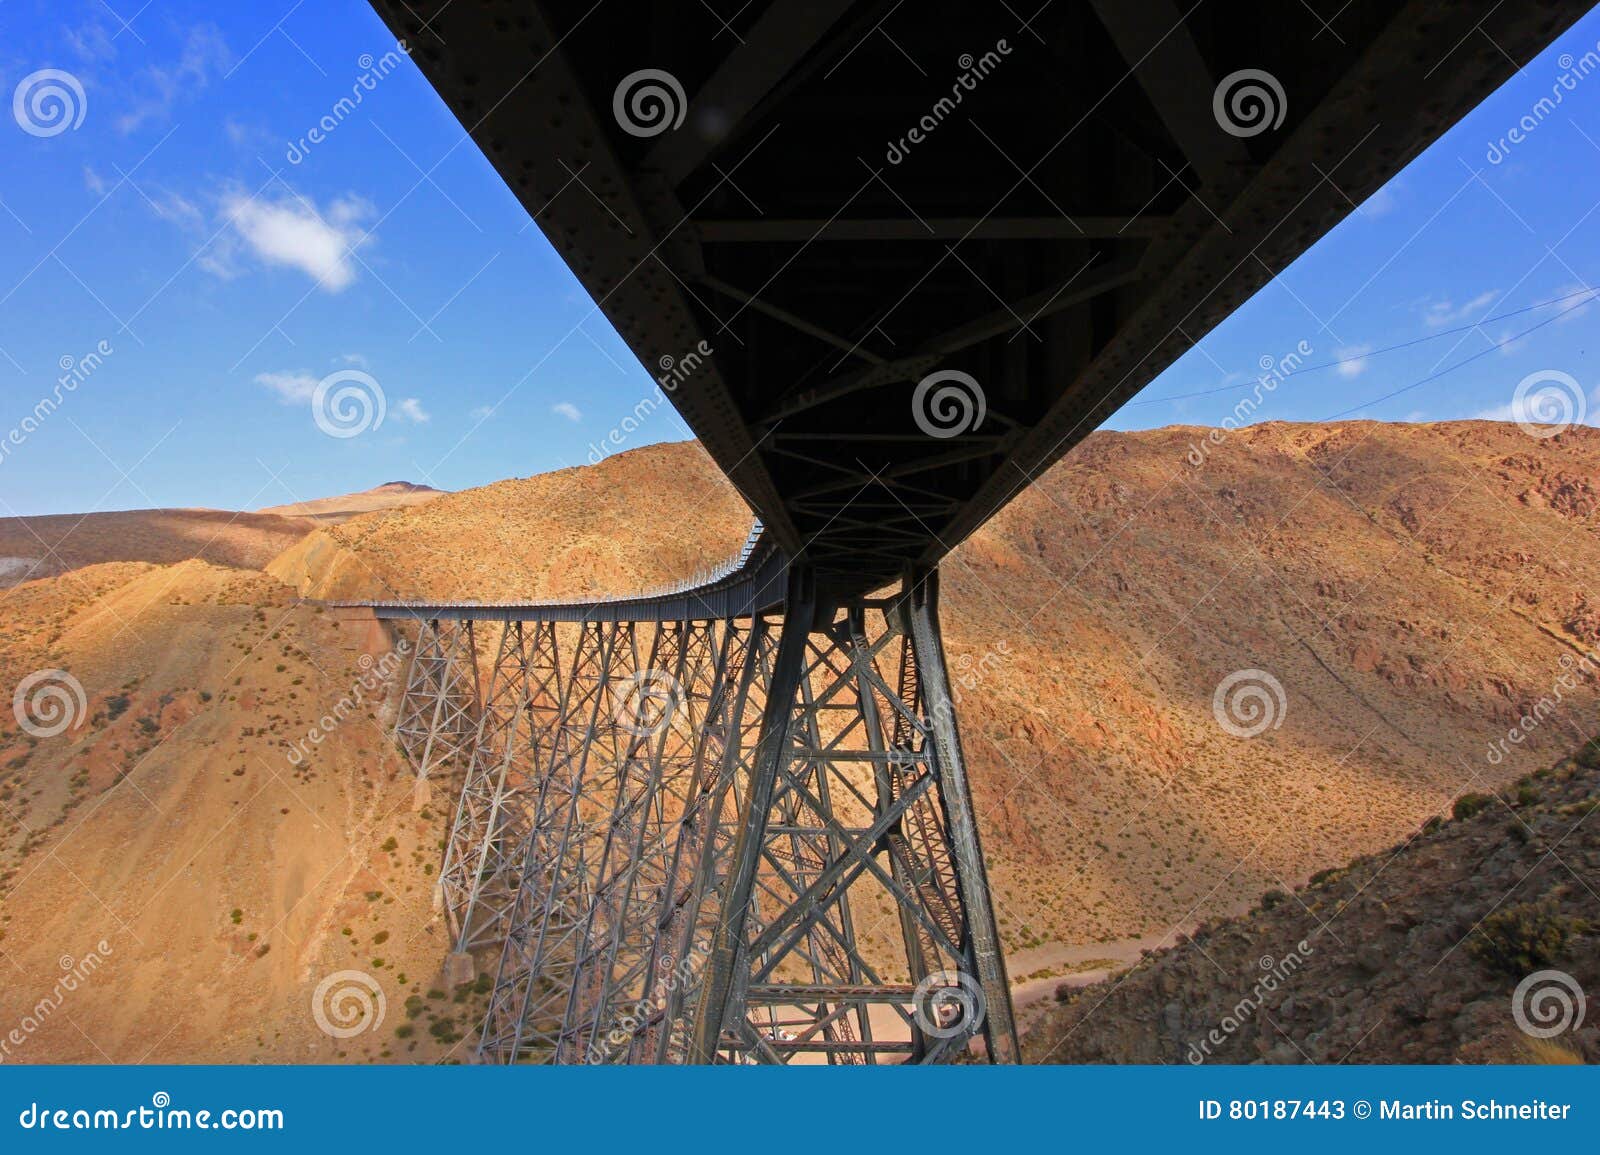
<point x="438" y="714"/>
<point x="732" y="823"/>
<point x="718" y="839"/>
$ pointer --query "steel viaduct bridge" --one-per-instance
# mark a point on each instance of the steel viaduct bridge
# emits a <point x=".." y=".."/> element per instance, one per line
<point x="900" y="256"/>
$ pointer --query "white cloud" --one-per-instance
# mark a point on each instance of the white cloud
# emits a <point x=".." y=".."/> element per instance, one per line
<point x="410" y="409"/>
<point x="568" y="410"/>
<point x="1353" y="360"/>
<point x="482" y="413"/>
<point x="357" y="359"/>
<point x="293" y="232"/>
<point x="205" y="54"/>
<point x="1445" y="312"/>
<point x="291" y="386"/>
<point x="94" y="182"/>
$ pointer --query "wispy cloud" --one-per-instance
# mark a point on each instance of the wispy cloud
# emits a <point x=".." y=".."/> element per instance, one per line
<point x="1379" y="203"/>
<point x="1439" y="313"/>
<point x="410" y="409"/>
<point x="482" y="412"/>
<point x="205" y="54"/>
<point x="568" y="410"/>
<point x="1353" y="360"/>
<point x="293" y="387"/>
<point x="357" y="359"/>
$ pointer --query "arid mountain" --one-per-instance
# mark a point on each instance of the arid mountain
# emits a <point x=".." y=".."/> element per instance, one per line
<point x="1420" y="953"/>
<point x="1413" y="590"/>
<point x="337" y="510"/>
<point x="657" y="513"/>
<point x="35" y="547"/>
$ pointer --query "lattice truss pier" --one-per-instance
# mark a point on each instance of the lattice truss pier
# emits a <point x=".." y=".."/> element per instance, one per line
<point x="689" y="839"/>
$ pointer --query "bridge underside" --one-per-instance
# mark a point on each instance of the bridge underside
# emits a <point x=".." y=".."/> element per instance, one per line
<point x="1048" y="199"/>
<point x="889" y="261"/>
<point x="715" y="839"/>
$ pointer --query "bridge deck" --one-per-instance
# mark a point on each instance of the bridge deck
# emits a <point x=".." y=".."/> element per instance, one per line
<point x="846" y="196"/>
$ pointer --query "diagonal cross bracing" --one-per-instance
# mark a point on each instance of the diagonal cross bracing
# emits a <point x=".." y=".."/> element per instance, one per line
<point x="741" y="839"/>
<point x="437" y="718"/>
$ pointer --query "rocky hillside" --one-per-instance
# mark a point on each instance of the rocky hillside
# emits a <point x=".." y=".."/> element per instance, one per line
<point x="1416" y="954"/>
<point x="1414" y="591"/>
<point x="654" y="514"/>
<point x="340" y="509"/>
<point x="35" y="547"/>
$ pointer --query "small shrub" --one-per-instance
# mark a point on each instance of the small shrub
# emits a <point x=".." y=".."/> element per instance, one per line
<point x="1522" y="938"/>
<point x="1468" y="805"/>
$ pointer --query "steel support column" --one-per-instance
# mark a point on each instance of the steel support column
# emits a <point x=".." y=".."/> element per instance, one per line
<point x="875" y="940"/>
<point x="437" y="718"/>
<point x="481" y="871"/>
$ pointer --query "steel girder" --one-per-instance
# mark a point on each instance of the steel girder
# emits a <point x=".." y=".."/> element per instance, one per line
<point x="438" y="713"/>
<point x="743" y="841"/>
<point x="481" y="871"/>
<point x="858" y="847"/>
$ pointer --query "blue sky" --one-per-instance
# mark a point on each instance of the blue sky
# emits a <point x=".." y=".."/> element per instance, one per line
<point x="189" y="225"/>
